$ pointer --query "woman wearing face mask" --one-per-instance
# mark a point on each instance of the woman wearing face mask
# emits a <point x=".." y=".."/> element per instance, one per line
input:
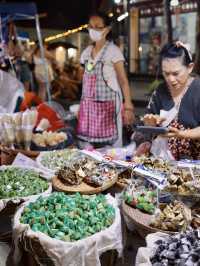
<point x="176" y="103"/>
<point x="104" y="81"/>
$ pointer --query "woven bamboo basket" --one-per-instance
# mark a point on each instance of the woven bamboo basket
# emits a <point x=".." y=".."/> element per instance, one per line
<point x="141" y="221"/>
<point x="83" y="188"/>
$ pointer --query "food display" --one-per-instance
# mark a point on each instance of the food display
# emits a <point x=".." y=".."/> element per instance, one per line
<point x="46" y="139"/>
<point x="54" y="160"/>
<point x="182" y="182"/>
<point x="124" y="178"/>
<point x="88" y="170"/>
<point x="20" y="182"/>
<point x="17" y="129"/>
<point x="173" y="217"/>
<point x="140" y="197"/>
<point x="153" y="163"/>
<point x="177" y="250"/>
<point x="69" y="217"/>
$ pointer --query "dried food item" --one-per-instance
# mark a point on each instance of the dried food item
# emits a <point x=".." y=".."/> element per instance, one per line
<point x="124" y="177"/>
<point x="182" y="182"/>
<point x="140" y="197"/>
<point x="181" y="249"/>
<point x="100" y="174"/>
<point x="195" y="218"/>
<point x="46" y="139"/>
<point x="69" y="217"/>
<point x="76" y="170"/>
<point x="20" y="182"/>
<point x="153" y="163"/>
<point x="173" y="217"/>
<point x="54" y="160"/>
<point x="87" y="170"/>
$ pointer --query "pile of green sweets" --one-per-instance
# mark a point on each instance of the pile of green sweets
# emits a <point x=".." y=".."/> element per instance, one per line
<point x="69" y="217"/>
<point x="20" y="182"/>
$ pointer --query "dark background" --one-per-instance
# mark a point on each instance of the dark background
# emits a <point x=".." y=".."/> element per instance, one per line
<point x="64" y="14"/>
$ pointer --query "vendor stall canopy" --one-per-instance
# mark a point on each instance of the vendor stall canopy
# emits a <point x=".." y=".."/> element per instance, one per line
<point x="17" y="11"/>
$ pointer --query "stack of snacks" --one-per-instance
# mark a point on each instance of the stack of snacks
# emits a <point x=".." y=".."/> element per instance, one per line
<point x="69" y="217"/>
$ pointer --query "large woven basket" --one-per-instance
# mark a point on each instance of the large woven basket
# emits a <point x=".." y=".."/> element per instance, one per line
<point x="83" y="188"/>
<point x="8" y="155"/>
<point x="141" y="221"/>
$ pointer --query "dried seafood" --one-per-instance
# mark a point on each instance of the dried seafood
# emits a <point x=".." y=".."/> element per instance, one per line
<point x="181" y="181"/>
<point x="125" y="177"/>
<point x="73" y="174"/>
<point x="179" y="250"/>
<point x="153" y="163"/>
<point x="87" y="170"/>
<point x="173" y="217"/>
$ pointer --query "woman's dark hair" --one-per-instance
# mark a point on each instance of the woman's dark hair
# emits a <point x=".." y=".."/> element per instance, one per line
<point x="106" y="20"/>
<point x="172" y="51"/>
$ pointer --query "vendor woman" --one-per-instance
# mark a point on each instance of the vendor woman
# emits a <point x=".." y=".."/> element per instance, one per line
<point x="176" y="104"/>
<point x="104" y="82"/>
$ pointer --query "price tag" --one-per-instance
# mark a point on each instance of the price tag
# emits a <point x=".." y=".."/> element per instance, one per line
<point x="23" y="160"/>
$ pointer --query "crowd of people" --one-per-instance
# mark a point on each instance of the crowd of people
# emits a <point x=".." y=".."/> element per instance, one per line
<point x="27" y="65"/>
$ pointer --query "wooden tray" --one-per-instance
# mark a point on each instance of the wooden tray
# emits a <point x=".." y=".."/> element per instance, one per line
<point x="141" y="221"/>
<point x="83" y="188"/>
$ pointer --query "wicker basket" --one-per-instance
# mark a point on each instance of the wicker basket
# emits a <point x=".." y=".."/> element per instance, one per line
<point x="83" y="188"/>
<point x="8" y="155"/>
<point x="141" y="221"/>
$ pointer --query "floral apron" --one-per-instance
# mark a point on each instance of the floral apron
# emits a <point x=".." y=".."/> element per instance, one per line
<point x="175" y="148"/>
<point x="97" y="121"/>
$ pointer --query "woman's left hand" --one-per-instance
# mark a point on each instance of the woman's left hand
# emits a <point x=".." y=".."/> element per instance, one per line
<point x="128" y="115"/>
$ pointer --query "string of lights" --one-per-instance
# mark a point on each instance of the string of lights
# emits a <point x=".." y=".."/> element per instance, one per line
<point x="80" y="28"/>
<point x="63" y="34"/>
<point x="66" y="33"/>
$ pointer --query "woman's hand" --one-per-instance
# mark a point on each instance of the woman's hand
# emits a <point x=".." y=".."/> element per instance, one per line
<point x="128" y="115"/>
<point x="152" y="120"/>
<point x="143" y="149"/>
<point x="183" y="134"/>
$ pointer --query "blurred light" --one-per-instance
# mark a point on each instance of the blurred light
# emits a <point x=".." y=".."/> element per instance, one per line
<point x="110" y="15"/>
<point x="123" y="16"/>
<point x="71" y="52"/>
<point x="174" y="3"/>
<point x="60" y="48"/>
<point x="117" y="1"/>
<point x="140" y="49"/>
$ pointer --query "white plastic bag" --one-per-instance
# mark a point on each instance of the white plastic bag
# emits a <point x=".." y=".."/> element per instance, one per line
<point x="85" y="252"/>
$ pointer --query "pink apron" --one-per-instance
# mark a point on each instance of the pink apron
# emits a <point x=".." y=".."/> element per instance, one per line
<point x="97" y="115"/>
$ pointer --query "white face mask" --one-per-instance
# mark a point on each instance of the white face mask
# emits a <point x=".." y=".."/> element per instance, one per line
<point x="95" y="35"/>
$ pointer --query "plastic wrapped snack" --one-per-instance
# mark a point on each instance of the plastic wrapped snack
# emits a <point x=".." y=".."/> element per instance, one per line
<point x="28" y="122"/>
<point x="8" y="130"/>
<point x="17" y="118"/>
